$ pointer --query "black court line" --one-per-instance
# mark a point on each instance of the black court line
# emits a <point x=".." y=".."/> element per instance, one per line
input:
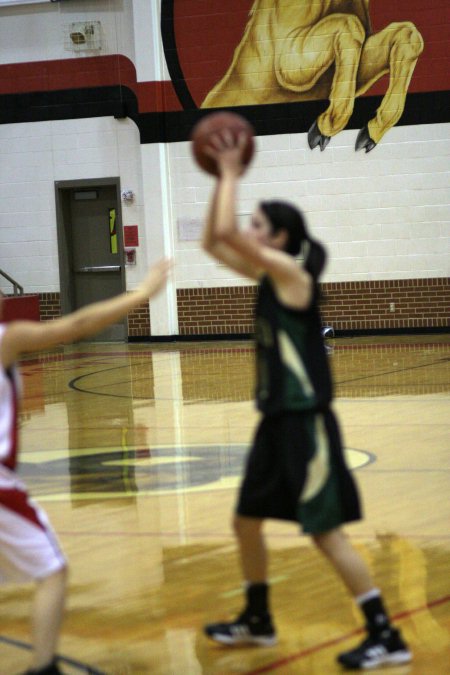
<point x="45" y="359"/>
<point x="72" y="383"/>
<point x="83" y="667"/>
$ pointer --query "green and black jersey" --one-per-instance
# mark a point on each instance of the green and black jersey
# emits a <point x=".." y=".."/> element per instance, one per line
<point x="292" y="364"/>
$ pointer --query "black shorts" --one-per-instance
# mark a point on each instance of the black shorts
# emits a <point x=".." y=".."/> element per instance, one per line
<point x="296" y="471"/>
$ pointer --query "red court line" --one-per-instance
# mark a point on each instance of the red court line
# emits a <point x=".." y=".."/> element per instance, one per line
<point x="215" y="534"/>
<point x="324" y="645"/>
<point x="50" y="358"/>
<point x="44" y="359"/>
<point x="401" y="346"/>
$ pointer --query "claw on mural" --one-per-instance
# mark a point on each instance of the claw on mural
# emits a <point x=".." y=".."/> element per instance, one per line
<point x="363" y="140"/>
<point x="315" y="138"/>
<point x="338" y="42"/>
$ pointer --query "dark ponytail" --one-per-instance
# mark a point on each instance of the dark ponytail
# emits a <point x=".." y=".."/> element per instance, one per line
<point x="314" y="257"/>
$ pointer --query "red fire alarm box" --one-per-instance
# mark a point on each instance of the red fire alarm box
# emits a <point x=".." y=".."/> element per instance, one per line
<point x="130" y="236"/>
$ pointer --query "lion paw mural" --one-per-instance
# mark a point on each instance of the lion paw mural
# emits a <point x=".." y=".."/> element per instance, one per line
<point x="304" y="50"/>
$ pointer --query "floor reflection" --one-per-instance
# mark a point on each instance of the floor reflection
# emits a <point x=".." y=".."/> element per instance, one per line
<point x="150" y="441"/>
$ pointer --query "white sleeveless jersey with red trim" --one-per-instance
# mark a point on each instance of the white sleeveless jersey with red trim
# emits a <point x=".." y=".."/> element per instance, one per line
<point x="9" y="394"/>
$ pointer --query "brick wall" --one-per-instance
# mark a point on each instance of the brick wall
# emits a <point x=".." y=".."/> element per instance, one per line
<point x="138" y="318"/>
<point x="214" y="311"/>
<point x="348" y="306"/>
<point x="49" y="306"/>
<point x="416" y="303"/>
<point x="139" y="321"/>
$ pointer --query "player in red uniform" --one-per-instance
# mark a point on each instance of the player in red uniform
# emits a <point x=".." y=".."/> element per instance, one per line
<point x="29" y="549"/>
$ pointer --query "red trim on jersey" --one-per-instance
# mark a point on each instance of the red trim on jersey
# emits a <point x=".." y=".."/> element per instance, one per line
<point x="17" y="501"/>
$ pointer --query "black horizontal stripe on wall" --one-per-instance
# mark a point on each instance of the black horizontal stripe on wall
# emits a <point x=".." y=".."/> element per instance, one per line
<point x="167" y="127"/>
<point x="65" y="104"/>
<point x="290" y="118"/>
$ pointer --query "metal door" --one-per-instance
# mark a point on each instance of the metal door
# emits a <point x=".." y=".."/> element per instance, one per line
<point x="94" y="249"/>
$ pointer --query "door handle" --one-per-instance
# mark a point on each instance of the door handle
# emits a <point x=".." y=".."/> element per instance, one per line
<point x="102" y="268"/>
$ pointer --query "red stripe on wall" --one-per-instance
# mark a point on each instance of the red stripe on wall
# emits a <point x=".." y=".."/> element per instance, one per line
<point x="95" y="71"/>
<point x="157" y="97"/>
<point x="432" y="72"/>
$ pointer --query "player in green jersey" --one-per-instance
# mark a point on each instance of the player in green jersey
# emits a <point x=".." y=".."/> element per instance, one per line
<point x="296" y="470"/>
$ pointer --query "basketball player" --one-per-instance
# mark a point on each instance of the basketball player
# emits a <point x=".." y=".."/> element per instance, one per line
<point x="296" y="469"/>
<point x="29" y="549"/>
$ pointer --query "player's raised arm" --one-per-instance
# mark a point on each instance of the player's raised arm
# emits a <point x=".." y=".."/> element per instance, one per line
<point x="221" y="217"/>
<point x="260" y="249"/>
<point x="207" y="138"/>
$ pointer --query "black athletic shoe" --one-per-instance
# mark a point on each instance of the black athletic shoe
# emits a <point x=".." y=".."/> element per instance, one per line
<point x="51" y="669"/>
<point x="250" y="630"/>
<point x="388" y="648"/>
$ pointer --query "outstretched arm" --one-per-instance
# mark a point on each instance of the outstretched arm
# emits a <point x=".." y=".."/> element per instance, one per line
<point x="31" y="336"/>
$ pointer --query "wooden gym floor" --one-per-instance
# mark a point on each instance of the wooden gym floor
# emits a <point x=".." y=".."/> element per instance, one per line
<point x="135" y="452"/>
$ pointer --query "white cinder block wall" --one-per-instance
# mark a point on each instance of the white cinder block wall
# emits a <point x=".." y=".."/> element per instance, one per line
<point x="33" y="156"/>
<point x="36" y="155"/>
<point x="382" y="216"/>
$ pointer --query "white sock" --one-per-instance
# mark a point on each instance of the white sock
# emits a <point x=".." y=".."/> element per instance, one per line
<point x="373" y="593"/>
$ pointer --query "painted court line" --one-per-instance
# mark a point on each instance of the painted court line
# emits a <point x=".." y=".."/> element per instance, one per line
<point x="83" y="667"/>
<point x="269" y="667"/>
<point x="330" y="643"/>
<point x="230" y="535"/>
<point x="48" y="358"/>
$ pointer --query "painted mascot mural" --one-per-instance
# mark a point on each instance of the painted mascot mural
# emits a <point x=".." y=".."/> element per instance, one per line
<point x="303" y="50"/>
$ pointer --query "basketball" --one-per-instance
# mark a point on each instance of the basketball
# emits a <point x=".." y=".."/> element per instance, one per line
<point x="216" y="122"/>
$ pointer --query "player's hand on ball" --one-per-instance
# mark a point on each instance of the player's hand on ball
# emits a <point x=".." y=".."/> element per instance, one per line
<point x="227" y="151"/>
<point x="218" y="134"/>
